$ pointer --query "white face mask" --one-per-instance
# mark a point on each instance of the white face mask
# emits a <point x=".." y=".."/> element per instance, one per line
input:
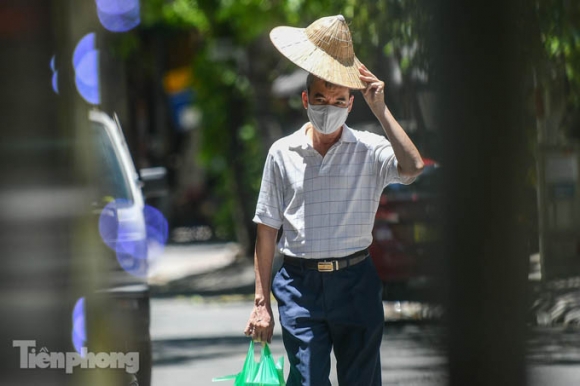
<point x="326" y="119"/>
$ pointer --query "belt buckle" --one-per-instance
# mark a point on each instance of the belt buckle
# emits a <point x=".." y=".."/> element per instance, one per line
<point x="327" y="266"/>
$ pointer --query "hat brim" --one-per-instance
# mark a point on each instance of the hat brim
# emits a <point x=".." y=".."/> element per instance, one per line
<point x="294" y="44"/>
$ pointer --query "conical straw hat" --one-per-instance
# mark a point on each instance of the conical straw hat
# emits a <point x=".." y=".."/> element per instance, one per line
<point x="324" y="48"/>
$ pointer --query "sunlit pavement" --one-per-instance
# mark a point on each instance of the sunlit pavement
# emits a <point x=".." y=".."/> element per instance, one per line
<point x="201" y="269"/>
<point x="198" y="337"/>
<point x="179" y="261"/>
<point x="195" y="340"/>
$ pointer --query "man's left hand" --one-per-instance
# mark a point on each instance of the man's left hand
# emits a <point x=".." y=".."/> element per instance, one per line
<point x="374" y="93"/>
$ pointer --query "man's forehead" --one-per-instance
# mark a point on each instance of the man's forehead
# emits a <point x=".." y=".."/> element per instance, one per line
<point x="321" y="85"/>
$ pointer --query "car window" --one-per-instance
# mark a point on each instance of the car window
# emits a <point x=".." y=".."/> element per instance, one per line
<point x="112" y="181"/>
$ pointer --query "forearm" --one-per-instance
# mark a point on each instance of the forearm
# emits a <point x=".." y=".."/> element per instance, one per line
<point x="408" y="157"/>
<point x="263" y="260"/>
<point x="261" y="323"/>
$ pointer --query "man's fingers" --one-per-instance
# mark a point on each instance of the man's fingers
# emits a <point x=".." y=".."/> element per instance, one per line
<point x="253" y="331"/>
<point x="262" y="333"/>
<point x="249" y="330"/>
<point x="260" y="327"/>
<point x="368" y="80"/>
<point x="374" y="88"/>
<point x="258" y="336"/>
<point x="374" y="85"/>
<point x="368" y="77"/>
<point x="364" y="68"/>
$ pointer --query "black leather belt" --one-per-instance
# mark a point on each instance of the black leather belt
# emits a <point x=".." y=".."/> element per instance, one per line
<point x="328" y="265"/>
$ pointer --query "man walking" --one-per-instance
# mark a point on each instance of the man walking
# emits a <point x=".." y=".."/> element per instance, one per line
<point x="322" y="186"/>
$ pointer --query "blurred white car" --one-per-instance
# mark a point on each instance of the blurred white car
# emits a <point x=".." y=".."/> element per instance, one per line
<point x="121" y="297"/>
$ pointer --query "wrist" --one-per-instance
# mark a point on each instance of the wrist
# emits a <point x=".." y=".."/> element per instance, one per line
<point x="379" y="110"/>
<point x="261" y="301"/>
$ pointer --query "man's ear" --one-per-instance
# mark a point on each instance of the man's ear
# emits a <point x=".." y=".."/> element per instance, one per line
<point x="351" y="102"/>
<point x="305" y="99"/>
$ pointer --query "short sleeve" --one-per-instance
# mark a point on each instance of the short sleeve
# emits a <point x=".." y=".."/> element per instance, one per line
<point x="388" y="171"/>
<point x="269" y="209"/>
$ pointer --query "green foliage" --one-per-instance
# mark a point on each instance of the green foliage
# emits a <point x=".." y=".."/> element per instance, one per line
<point x="231" y="147"/>
<point x="175" y="13"/>
<point x="559" y="23"/>
<point x="124" y="45"/>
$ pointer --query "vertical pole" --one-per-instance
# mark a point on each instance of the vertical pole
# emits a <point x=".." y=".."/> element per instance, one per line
<point x="37" y="196"/>
<point x="481" y="87"/>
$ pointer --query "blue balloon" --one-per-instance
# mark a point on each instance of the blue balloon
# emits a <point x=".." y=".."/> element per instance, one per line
<point x="157" y="227"/>
<point x="123" y="236"/>
<point x="86" y="44"/>
<point x="89" y="93"/>
<point x="88" y="68"/>
<point x="131" y="252"/>
<point x="79" y="330"/>
<point x="78" y="343"/>
<point x="120" y="22"/>
<point x="133" y="248"/>
<point x="79" y="309"/>
<point x="109" y="222"/>
<point x="132" y="265"/>
<point x="116" y="7"/>
<point x="55" y="81"/>
<point x="136" y="248"/>
<point x="157" y="231"/>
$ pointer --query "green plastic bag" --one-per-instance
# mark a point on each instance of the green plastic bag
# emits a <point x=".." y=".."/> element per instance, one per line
<point x="262" y="373"/>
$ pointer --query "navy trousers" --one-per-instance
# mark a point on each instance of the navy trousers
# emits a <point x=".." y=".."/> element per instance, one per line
<point x="320" y="311"/>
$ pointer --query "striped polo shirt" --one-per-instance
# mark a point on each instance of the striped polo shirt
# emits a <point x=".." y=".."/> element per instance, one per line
<point x="325" y="205"/>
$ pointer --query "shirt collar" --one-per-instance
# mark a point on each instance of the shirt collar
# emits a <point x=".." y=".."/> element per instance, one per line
<point x="300" y="139"/>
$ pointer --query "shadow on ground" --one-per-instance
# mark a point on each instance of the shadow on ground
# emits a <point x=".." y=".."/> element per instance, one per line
<point x="234" y="279"/>
<point x="558" y="345"/>
<point x="175" y="351"/>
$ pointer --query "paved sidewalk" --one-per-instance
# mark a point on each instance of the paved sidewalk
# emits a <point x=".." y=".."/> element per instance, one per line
<point x="195" y="340"/>
<point x="201" y="269"/>
<point x="179" y="261"/>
